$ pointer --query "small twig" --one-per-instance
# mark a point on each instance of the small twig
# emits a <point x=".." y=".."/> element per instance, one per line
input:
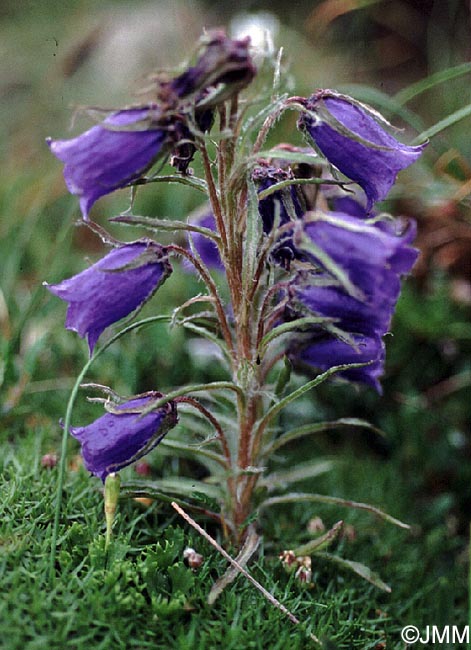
<point x="276" y="603"/>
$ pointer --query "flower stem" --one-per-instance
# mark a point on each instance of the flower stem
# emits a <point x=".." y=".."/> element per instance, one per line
<point x="65" y="433"/>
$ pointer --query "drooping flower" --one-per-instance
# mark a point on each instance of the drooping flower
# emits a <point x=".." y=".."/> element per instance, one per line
<point x="278" y="209"/>
<point x="325" y="351"/>
<point x="369" y="256"/>
<point x="116" y="440"/>
<point x="280" y="206"/>
<point x="112" y="288"/>
<point x="352" y="138"/>
<point x="357" y="284"/>
<point x="223" y="61"/>
<point x="112" y="154"/>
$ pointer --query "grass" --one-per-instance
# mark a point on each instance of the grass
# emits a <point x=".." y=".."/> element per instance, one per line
<point x="143" y="595"/>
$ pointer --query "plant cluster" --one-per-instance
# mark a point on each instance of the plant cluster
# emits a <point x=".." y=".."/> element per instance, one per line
<point x="301" y="271"/>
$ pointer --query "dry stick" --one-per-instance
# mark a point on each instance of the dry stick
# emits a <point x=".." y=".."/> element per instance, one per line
<point x="239" y="568"/>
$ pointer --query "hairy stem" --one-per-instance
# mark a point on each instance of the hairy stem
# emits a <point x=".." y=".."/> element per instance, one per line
<point x="226" y="332"/>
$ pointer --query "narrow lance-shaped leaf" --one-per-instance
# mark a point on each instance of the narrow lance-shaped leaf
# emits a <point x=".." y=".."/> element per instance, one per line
<point x="321" y="542"/>
<point x="360" y="569"/>
<point x="299" y="472"/>
<point x="310" y="429"/>
<point x="252" y="238"/>
<point x="298" y="497"/>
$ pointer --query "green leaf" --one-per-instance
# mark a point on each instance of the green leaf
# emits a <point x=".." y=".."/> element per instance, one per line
<point x="299" y="392"/>
<point x="197" y="183"/>
<point x="164" y="224"/>
<point x="253" y="233"/>
<point x="192" y="451"/>
<point x="299" y="323"/>
<point x="291" y="156"/>
<point x="254" y="123"/>
<point x="316" y="545"/>
<point x="276" y="187"/>
<point x="192" y="388"/>
<point x="166" y="552"/>
<point x="159" y="488"/>
<point x="300" y="472"/>
<point x="182" y="579"/>
<point x="411" y="91"/>
<point x="284" y="377"/>
<point x="360" y="569"/>
<point x="309" y="429"/>
<point x="204" y="332"/>
<point x="298" y="497"/>
<point x="448" y="121"/>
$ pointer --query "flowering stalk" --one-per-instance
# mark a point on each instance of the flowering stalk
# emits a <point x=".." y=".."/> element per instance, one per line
<point x="299" y="274"/>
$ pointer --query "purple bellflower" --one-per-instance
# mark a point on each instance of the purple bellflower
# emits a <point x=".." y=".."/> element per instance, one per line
<point x="112" y="288"/>
<point x="370" y="256"/>
<point x="282" y="205"/>
<point x="112" y="154"/>
<point x="357" y="286"/>
<point x="116" y="439"/>
<point x="352" y="139"/>
<point x="278" y="209"/>
<point x="223" y="61"/>
<point x="326" y="351"/>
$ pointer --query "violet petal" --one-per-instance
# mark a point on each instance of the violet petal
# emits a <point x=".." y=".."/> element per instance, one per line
<point x="114" y="440"/>
<point x="373" y="162"/>
<point x="104" y="158"/>
<point x="107" y="291"/>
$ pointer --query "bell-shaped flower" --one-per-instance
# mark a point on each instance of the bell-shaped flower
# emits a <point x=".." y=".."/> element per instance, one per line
<point x="355" y="284"/>
<point x="222" y="61"/>
<point x="324" y="351"/>
<point x="352" y="138"/>
<point x="112" y="288"/>
<point x="112" y="154"/>
<point x="117" y="439"/>
<point x="278" y="208"/>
